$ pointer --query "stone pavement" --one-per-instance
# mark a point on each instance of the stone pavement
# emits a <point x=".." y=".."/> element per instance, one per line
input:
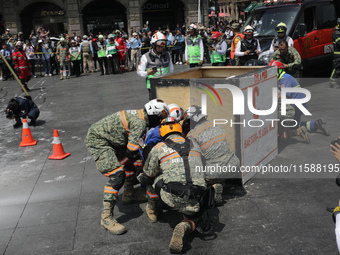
<point x="53" y="207"/>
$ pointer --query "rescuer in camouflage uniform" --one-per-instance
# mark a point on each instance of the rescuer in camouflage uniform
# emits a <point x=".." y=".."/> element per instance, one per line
<point x="114" y="145"/>
<point x="179" y="186"/>
<point x="63" y="56"/>
<point x="290" y="58"/>
<point x="214" y="145"/>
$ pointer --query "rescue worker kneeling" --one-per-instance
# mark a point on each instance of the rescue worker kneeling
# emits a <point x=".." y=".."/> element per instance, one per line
<point x="170" y="169"/>
<point x="114" y="145"/>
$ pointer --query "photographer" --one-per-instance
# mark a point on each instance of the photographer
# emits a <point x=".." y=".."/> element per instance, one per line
<point x="21" y="108"/>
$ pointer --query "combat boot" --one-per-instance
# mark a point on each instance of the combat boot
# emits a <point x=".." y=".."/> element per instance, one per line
<point x="321" y="125"/>
<point x="176" y="243"/>
<point x="302" y="131"/>
<point x="151" y="211"/>
<point x="61" y="77"/>
<point x="107" y="220"/>
<point x="130" y="196"/>
<point x="218" y="194"/>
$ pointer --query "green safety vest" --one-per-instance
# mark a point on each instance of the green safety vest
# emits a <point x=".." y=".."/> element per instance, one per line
<point x="215" y="56"/>
<point x="111" y="49"/>
<point x="74" y="51"/>
<point x="162" y="64"/>
<point x="101" y="50"/>
<point x="193" y="49"/>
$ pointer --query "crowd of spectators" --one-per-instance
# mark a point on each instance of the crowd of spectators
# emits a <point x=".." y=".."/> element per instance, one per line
<point x="41" y="48"/>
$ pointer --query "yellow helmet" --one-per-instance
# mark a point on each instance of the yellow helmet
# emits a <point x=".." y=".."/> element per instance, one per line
<point x="169" y="125"/>
<point x="281" y="27"/>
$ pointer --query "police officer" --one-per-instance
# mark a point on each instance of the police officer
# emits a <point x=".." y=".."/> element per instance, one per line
<point x="214" y="145"/>
<point x="156" y="62"/>
<point x="21" y="108"/>
<point x="114" y="145"/>
<point x="170" y="169"/>
<point x="194" y="48"/>
<point x="248" y="48"/>
<point x="290" y="58"/>
<point x="218" y="50"/>
<point x="281" y="30"/>
<point x="336" y="55"/>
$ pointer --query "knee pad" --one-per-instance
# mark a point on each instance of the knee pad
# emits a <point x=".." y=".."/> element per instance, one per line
<point x="117" y="180"/>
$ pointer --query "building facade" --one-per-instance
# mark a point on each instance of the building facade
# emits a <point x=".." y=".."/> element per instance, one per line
<point x="82" y="16"/>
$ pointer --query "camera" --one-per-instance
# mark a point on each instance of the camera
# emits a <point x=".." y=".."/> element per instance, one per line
<point x="154" y="68"/>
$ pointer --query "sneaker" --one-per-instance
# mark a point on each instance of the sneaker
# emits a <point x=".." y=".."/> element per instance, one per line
<point x="177" y="63"/>
<point x="46" y="75"/>
<point x="321" y="125"/>
<point x="50" y="75"/>
<point x="67" y="77"/>
<point x="34" y="76"/>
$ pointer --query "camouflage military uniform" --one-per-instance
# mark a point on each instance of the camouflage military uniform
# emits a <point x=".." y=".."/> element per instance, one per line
<point x="214" y="146"/>
<point x="63" y="54"/>
<point x="107" y="141"/>
<point x="292" y="59"/>
<point x="166" y="164"/>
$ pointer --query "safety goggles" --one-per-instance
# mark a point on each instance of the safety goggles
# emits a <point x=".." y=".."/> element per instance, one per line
<point x="161" y="43"/>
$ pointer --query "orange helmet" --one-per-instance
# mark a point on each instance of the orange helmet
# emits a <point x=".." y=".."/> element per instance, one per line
<point x="169" y="125"/>
<point x="248" y="30"/>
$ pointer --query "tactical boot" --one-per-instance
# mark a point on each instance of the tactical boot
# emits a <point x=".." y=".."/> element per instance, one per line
<point x="67" y="77"/>
<point x="130" y="196"/>
<point x="151" y="211"/>
<point x="61" y="77"/>
<point x="302" y="131"/>
<point x="218" y="194"/>
<point x="321" y="125"/>
<point x="107" y="220"/>
<point x="18" y="123"/>
<point x="176" y="243"/>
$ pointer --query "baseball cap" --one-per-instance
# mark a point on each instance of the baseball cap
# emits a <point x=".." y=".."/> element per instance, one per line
<point x="235" y="25"/>
<point x="215" y="35"/>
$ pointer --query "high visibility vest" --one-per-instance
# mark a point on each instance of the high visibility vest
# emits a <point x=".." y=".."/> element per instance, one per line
<point x="111" y="49"/>
<point x="233" y="46"/>
<point x="215" y="56"/>
<point x="101" y="49"/>
<point x="193" y="49"/>
<point x="162" y="64"/>
<point x="74" y="51"/>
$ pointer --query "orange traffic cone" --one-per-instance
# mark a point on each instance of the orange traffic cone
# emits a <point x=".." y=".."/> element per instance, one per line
<point x="27" y="139"/>
<point x="58" y="150"/>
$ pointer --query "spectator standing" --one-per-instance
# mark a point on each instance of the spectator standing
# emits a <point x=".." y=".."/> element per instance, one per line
<point x="43" y="34"/>
<point x="136" y="45"/>
<point x="86" y="47"/>
<point x="63" y="56"/>
<point x="29" y="50"/>
<point x="75" y="56"/>
<point x="145" y="29"/>
<point x="102" y="54"/>
<point x="7" y="53"/>
<point x="128" y="52"/>
<point x="111" y="53"/>
<point x="95" y="52"/>
<point x="46" y="57"/>
<point x="33" y="39"/>
<point x="5" y="36"/>
<point x="179" y="43"/>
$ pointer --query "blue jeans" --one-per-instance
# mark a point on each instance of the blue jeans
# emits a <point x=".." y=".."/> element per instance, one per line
<point x="47" y="64"/>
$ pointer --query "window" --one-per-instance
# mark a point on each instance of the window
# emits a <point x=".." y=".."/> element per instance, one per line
<point x="310" y="19"/>
<point x="328" y="16"/>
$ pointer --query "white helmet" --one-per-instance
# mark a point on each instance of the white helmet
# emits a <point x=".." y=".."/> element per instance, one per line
<point x="157" y="110"/>
<point x="176" y="112"/>
<point x="192" y="27"/>
<point x="159" y="39"/>
<point x="194" y="113"/>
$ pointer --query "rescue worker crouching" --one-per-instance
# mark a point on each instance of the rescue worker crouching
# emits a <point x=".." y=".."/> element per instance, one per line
<point x="290" y="58"/>
<point x="114" y="145"/>
<point x="194" y="48"/>
<point x="170" y="169"/>
<point x="336" y="56"/>
<point x="218" y="50"/>
<point x="21" y="108"/>
<point x="214" y="146"/>
<point x="248" y="48"/>
<point x="156" y="62"/>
